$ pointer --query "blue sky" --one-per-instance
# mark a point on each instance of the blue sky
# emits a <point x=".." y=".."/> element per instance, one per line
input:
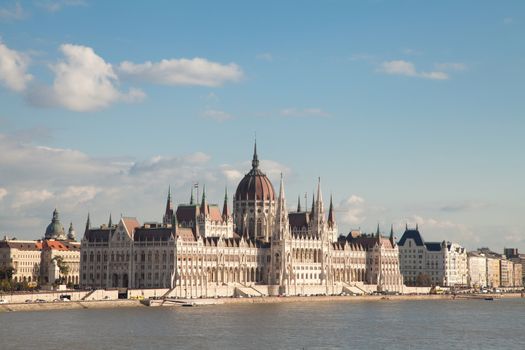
<point x="409" y="111"/>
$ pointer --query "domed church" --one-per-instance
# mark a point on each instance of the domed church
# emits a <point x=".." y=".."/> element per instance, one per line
<point x="55" y="230"/>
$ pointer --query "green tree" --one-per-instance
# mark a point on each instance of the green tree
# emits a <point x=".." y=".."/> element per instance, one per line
<point x="423" y="280"/>
<point x="6" y="273"/>
<point x="63" y="268"/>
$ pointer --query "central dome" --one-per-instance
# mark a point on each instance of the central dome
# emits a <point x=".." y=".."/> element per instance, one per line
<point x="255" y="185"/>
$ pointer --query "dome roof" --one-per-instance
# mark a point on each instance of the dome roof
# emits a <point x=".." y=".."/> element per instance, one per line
<point x="255" y="185"/>
<point x="55" y="230"/>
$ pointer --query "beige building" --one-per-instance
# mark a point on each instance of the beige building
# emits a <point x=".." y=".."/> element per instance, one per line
<point x="38" y="261"/>
<point x="493" y="271"/>
<point x="260" y="249"/>
<point x="23" y="256"/>
<point x="506" y="273"/>
<point x="477" y="267"/>
<point x="518" y="273"/>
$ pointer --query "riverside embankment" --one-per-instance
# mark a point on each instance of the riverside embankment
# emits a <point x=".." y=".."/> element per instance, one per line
<point x="123" y="303"/>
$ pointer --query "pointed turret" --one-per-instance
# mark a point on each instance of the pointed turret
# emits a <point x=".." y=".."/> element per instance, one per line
<point x="298" y="204"/>
<point x="392" y="234"/>
<point x="255" y="159"/>
<point x="331" y="215"/>
<point x="313" y="204"/>
<point x="168" y="213"/>
<point x="88" y="224"/>
<point x="71" y="232"/>
<point x="281" y="214"/>
<point x="225" y="210"/>
<point x="319" y="209"/>
<point x="377" y="231"/>
<point x="169" y="204"/>
<point x="191" y="197"/>
<point x="110" y="222"/>
<point x="204" y="203"/>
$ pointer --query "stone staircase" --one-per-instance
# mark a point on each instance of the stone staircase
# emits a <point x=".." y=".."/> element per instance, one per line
<point x="88" y="295"/>
<point x="245" y="292"/>
<point x="353" y="289"/>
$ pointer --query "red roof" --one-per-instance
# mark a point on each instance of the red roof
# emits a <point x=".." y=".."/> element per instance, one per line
<point x="131" y="224"/>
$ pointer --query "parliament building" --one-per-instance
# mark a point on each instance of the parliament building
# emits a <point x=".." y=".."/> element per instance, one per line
<point x="255" y="248"/>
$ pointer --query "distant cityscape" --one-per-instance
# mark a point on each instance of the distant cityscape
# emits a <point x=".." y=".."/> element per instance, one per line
<point x="254" y="248"/>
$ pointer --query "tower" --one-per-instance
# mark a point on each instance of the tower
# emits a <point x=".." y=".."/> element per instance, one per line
<point x="168" y="213"/>
<point x="331" y="223"/>
<point x="254" y="203"/>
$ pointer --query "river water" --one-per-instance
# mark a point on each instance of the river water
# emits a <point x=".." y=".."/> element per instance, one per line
<point x="413" y="324"/>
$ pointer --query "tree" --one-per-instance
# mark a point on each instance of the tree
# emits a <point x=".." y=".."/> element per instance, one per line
<point x="423" y="280"/>
<point x="63" y="267"/>
<point x="6" y="273"/>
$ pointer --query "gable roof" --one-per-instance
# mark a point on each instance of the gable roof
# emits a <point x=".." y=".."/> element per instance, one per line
<point x="130" y="224"/>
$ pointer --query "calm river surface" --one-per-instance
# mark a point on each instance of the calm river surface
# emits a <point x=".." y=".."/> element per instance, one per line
<point x="446" y="324"/>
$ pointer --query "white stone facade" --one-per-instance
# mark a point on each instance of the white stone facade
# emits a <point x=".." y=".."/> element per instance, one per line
<point x="261" y="249"/>
<point x="440" y="263"/>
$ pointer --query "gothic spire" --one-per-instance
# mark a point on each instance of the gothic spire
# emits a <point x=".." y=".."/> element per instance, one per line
<point x="319" y="195"/>
<point x="191" y="197"/>
<point x="319" y="203"/>
<point x="331" y="215"/>
<point x="392" y="234"/>
<point x="281" y="212"/>
<point x="169" y="197"/>
<point x="255" y="160"/>
<point x="299" y="204"/>
<point x="313" y="202"/>
<point x="110" y="223"/>
<point x="204" y="204"/>
<point x="88" y="223"/>
<point x="377" y="231"/>
<point x="225" y="211"/>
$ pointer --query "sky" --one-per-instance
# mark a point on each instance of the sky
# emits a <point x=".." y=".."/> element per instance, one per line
<point x="410" y="112"/>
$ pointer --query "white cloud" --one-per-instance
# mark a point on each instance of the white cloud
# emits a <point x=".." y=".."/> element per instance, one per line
<point x="83" y="82"/>
<point x="79" y="194"/>
<point x="352" y="210"/>
<point x="57" y="5"/>
<point x="14" y="12"/>
<point x="400" y="67"/>
<point x="219" y="116"/>
<point x="303" y="112"/>
<point x="442" y="229"/>
<point x="232" y="175"/>
<point x="31" y="197"/>
<point x="13" y="67"/>
<point x="196" y="71"/>
<point x="265" y="56"/>
<point x="3" y="193"/>
<point x="40" y="178"/>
